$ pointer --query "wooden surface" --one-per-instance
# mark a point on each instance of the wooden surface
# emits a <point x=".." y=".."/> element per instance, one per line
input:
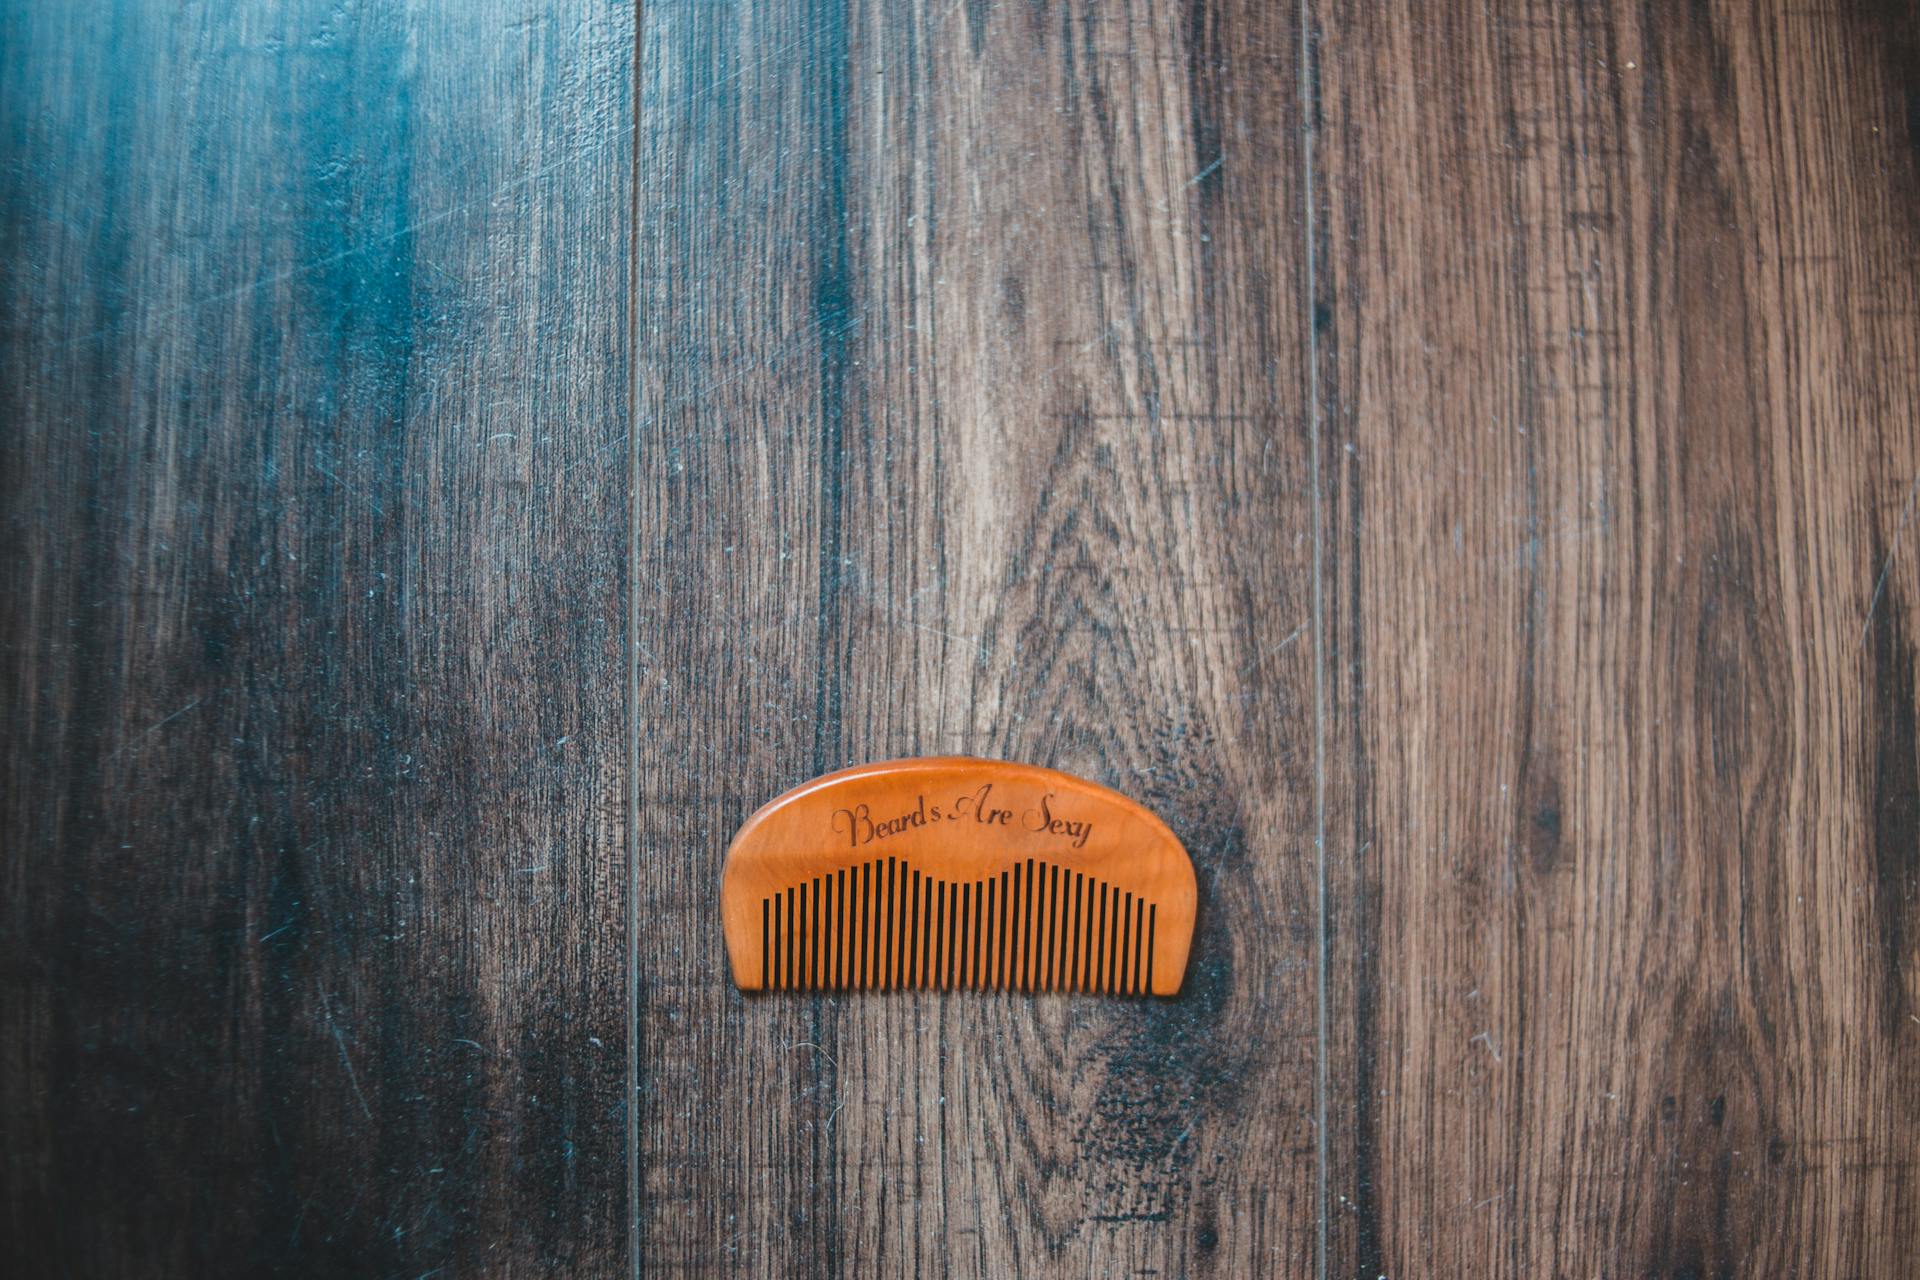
<point x="1621" y="410"/>
<point x="315" y="381"/>
<point x="1457" y="464"/>
<point x="972" y="420"/>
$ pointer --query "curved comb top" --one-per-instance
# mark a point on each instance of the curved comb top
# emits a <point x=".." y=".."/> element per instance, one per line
<point x="947" y="871"/>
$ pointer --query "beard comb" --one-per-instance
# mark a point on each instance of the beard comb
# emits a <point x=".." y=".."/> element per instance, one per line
<point x="952" y="873"/>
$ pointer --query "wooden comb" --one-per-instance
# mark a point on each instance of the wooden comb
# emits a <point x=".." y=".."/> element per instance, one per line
<point x="948" y="872"/>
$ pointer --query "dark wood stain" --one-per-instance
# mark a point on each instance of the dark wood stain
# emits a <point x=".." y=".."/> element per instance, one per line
<point x="314" y="379"/>
<point x="1459" y="467"/>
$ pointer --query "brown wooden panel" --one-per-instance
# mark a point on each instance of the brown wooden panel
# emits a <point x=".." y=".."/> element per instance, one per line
<point x="1620" y="372"/>
<point x="314" y="382"/>
<point x="972" y="421"/>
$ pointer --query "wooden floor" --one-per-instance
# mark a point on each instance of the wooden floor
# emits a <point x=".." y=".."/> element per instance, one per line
<point x="1459" y="464"/>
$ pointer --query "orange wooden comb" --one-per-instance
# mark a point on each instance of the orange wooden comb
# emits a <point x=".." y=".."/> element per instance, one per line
<point x="952" y="872"/>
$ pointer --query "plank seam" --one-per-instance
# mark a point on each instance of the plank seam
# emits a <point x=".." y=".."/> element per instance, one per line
<point x="1310" y="225"/>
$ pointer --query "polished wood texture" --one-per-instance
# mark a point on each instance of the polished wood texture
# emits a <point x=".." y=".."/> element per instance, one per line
<point x="1457" y="464"/>
<point x="954" y="872"/>
<point x="313" y="393"/>
<point x="973" y="421"/>
<point x="1620" y="373"/>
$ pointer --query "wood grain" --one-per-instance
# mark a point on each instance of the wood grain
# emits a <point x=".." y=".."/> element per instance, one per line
<point x="1619" y="374"/>
<point x="314" y="380"/>
<point x="455" y="467"/>
<point x="972" y="421"/>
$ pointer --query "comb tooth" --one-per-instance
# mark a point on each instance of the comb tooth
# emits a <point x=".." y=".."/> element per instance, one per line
<point x="1043" y="913"/>
<point x="1152" y="910"/>
<point x="1056" y="931"/>
<point x="1139" y="941"/>
<point x="976" y="925"/>
<point x="766" y="933"/>
<point x="1085" y="959"/>
<point x="1029" y="902"/>
<point x="823" y="932"/>
<point x="823" y="937"/>
<point x="965" y="949"/>
<point x="896" y="887"/>
<point x="955" y="933"/>
<point x="803" y="931"/>
<point x="900" y="939"/>
<point x="829" y="917"/>
<point x="1126" y="948"/>
<point x="843" y="939"/>
<point x="969" y="924"/>
<point x="1080" y="883"/>
<point x="1010" y="980"/>
<point x="1012" y="930"/>
<point x="856" y="935"/>
<point x="816" y="936"/>
<point x="979" y="928"/>
<point x="1049" y="897"/>
<point x="913" y="933"/>
<point x="1043" y="906"/>
<point x="857" y="929"/>
<point x="1056" y="944"/>
<point x="773" y="959"/>
<point x="942" y="938"/>
<point x="957" y="948"/>
<point x="843" y="931"/>
<point x="952" y="918"/>
<point x="832" y="950"/>
<point x="1066" y="930"/>
<point x="1139" y="936"/>
<point x="886" y="959"/>
<point x="1001" y="904"/>
<point x="929" y="943"/>
<point x="786" y="952"/>
<point x="868" y="939"/>
<point x="1099" y="945"/>
<point x="986" y="940"/>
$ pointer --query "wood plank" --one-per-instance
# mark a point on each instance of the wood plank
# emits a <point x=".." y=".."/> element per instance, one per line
<point x="315" y="381"/>
<point x="1619" y="374"/>
<point x="972" y="421"/>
